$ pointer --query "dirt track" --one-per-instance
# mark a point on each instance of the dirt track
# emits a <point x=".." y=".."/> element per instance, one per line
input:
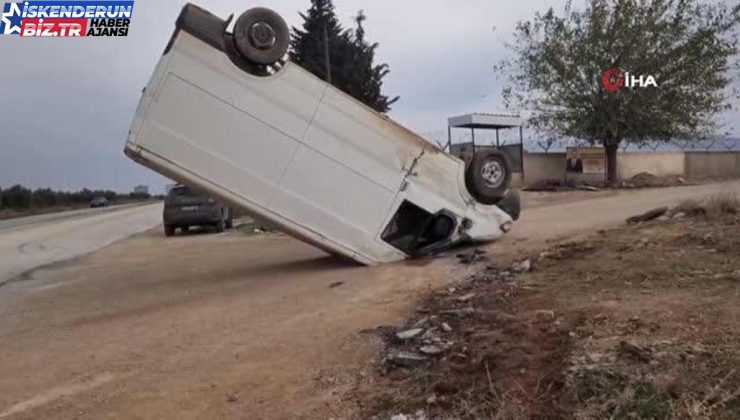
<point x="228" y="326"/>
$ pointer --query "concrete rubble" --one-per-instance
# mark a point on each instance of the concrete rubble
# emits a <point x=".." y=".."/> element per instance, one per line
<point x="431" y="336"/>
<point x="647" y="216"/>
<point x="406" y="359"/>
<point x="409" y="334"/>
<point x="727" y="205"/>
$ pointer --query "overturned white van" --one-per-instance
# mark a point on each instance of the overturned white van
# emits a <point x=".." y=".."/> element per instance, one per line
<point x="225" y="114"/>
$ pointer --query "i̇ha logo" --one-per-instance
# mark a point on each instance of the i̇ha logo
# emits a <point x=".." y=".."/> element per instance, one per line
<point x="614" y="79"/>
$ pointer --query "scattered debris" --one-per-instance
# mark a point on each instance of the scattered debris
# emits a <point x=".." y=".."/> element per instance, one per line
<point x="551" y="185"/>
<point x="545" y="314"/>
<point x="650" y="215"/>
<point x="644" y="327"/>
<point x="587" y="188"/>
<point x="559" y="185"/>
<point x="648" y="180"/>
<point x="232" y="397"/>
<point x="249" y="227"/>
<point x="431" y="350"/>
<point x="409" y="334"/>
<point x="641" y="180"/>
<point x="568" y="250"/>
<point x="406" y="359"/>
<point x="419" y="415"/>
<point x="474" y="256"/>
<point x="463" y="312"/>
<point x="720" y="205"/>
<point x="421" y="322"/>
<point x="522" y="267"/>
<point x="465" y="298"/>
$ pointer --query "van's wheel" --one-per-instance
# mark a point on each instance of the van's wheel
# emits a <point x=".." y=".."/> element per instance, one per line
<point x="488" y="177"/>
<point x="261" y="36"/>
<point x="169" y="230"/>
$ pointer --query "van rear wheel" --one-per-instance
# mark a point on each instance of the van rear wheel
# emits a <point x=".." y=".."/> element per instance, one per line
<point x="488" y="177"/>
<point x="261" y="36"/>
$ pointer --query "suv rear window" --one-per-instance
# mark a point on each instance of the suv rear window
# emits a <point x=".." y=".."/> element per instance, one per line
<point x="181" y="191"/>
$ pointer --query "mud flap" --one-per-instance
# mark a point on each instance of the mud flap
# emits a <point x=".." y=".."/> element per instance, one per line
<point x="511" y="204"/>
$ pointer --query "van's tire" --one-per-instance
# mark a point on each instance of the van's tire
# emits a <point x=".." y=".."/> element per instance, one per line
<point x="261" y="36"/>
<point x="488" y="176"/>
<point x="169" y="230"/>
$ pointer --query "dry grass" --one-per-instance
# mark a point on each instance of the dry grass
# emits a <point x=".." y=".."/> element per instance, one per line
<point x="724" y="204"/>
<point x="717" y="206"/>
<point x="666" y="292"/>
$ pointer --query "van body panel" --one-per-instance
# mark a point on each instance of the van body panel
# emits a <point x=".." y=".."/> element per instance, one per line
<point x="234" y="149"/>
<point x="292" y="150"/>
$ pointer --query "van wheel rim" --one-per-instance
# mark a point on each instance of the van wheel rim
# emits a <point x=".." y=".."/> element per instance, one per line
<point x="492" y="173"/>
<point x="262" y="36"/>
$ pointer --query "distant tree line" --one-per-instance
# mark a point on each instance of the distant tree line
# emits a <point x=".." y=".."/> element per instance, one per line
<point x="19" y="197"/>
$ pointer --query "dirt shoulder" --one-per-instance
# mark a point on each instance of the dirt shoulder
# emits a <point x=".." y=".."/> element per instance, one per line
<point x="632" y="322"/>
<point x="230" y="326"/>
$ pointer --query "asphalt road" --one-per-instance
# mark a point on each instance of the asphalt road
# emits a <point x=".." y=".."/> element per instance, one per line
<point x="31" y="242"/>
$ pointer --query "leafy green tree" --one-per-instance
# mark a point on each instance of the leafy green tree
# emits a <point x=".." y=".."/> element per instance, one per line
<point x="689" y="47"/>
<point x="351" y="58"/>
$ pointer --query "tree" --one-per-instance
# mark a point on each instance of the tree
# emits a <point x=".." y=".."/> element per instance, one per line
<point x="351" y="58"/>
<point x="690" y="49"/>
<point x="43" y="197"/>
<point x="17" y="197"/>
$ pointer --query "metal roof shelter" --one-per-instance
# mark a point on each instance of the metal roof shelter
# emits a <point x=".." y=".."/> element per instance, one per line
<point x="484" y="121"/>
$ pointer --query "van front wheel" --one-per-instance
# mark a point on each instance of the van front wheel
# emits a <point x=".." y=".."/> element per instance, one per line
<point x="488" y="177"/>
<point x="261" y="36"/>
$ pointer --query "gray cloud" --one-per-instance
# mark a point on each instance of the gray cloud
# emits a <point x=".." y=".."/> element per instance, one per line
<point x="67" y="103"/>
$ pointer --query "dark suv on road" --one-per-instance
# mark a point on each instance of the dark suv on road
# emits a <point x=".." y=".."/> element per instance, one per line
<point x="184" y="208"/>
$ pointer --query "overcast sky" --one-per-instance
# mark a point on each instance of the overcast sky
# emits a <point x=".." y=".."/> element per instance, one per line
<point x="66" y="104"/>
